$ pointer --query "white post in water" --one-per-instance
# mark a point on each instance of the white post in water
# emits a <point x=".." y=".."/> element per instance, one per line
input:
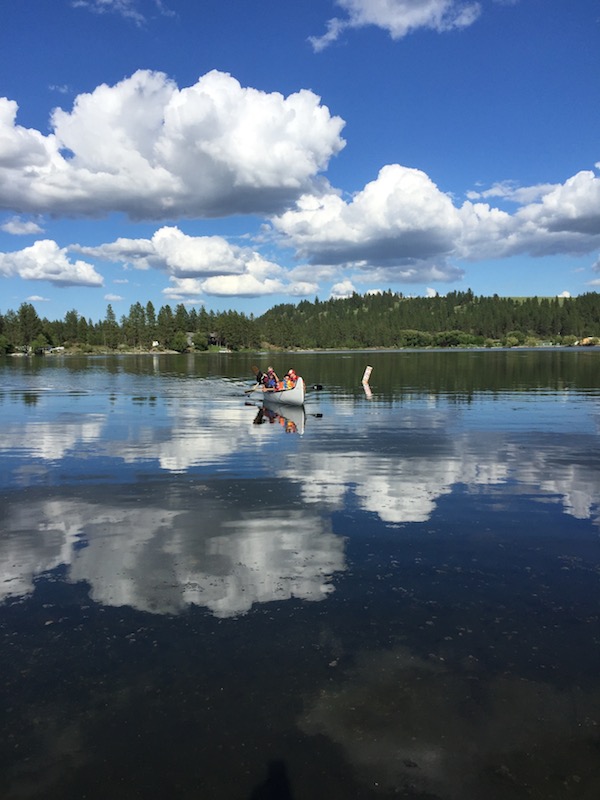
<point x="365" y="382"/>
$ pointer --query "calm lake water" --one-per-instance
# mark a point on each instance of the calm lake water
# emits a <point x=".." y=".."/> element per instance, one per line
<point x="382" y="597"/>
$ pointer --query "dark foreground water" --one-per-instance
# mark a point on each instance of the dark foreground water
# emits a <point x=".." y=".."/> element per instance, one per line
<point x="387" y="596"/>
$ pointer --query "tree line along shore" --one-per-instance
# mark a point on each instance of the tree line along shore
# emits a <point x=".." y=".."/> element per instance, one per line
<point x="375" y="320"/>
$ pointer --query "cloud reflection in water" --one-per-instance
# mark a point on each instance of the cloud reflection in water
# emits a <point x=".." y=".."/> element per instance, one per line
<point x="400" y="483"/>
<point x="163" y="559"/>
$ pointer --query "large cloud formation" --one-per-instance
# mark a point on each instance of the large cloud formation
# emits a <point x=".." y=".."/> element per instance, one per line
<point x="402" y="226"/>
<point x="397" y="223"/>
<point x="151" y="150"/>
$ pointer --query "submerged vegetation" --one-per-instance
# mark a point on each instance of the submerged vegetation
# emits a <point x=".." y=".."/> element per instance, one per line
<point x="382" y="320"/>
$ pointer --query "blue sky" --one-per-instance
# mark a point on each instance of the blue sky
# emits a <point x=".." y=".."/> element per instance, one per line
<point x="241" y="153"/>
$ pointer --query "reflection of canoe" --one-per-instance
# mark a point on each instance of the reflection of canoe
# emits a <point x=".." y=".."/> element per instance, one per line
<point x="291" y="418"/>
<point x="286" y="397"/>
<point x="293" y="415"/>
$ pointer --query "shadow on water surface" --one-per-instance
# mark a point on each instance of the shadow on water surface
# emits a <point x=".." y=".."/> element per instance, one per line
<point x="276" y="786"/>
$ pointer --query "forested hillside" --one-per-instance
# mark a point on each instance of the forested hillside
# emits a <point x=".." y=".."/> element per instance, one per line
<point x="459" y="318"/>
<point x="385" y="319"/>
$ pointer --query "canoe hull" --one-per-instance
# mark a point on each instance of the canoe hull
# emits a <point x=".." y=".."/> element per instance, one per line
<point x="286" y="397"/>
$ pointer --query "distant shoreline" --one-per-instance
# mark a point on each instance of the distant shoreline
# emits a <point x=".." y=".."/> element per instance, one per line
<point x="70" y="353"/>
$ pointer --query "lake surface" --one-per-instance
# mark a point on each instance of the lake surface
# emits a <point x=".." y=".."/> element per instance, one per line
<point x="394" y="594"/>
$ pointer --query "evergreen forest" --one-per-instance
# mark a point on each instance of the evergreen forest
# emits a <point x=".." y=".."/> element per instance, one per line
<point x="376" y="320"/>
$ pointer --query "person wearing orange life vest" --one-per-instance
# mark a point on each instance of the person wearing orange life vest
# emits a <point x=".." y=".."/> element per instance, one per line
<point x="290" y="379"/>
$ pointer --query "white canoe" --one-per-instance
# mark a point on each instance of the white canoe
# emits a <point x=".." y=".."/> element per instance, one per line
<point x="286" y="397"/>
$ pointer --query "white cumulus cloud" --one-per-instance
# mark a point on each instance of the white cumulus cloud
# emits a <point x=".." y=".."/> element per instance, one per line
<point x="342" y="289"/>
<point x="248" y="285"/>
<point x="20" y="227"/>
<point x="397" y="222"/>
<point x="571" y="207"/>
<point x="179" y="254"/>
<point x="199" y="265"/>
<point x="402" y="227"/>
<point x="46" y="261"/>
<point x="182" y="289"/>
<point x="148" y="149"/>
<point x="564" y="220"/>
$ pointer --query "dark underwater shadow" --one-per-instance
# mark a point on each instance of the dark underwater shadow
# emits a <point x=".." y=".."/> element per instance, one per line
<point x="276" y="786"/>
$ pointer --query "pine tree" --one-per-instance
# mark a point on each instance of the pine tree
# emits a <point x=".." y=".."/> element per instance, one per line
<point x="111" y="328"/>
<point x="29" y="324"/>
